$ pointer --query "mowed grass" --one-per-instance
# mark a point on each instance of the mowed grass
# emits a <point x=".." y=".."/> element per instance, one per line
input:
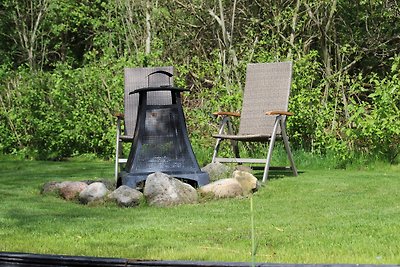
<point x="321" y="216"/>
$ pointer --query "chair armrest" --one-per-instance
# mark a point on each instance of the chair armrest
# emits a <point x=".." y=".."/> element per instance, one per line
<point x="223" y="113"/>
<point x="277" y="112"/>
<point x="226" y="120"/>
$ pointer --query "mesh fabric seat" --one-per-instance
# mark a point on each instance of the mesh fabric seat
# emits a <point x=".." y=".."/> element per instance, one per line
<point x="136" y="78"/>
<point x="264" y="113"/>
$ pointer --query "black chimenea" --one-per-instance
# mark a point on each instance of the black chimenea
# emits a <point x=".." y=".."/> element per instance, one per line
<point x="161" y="142"/>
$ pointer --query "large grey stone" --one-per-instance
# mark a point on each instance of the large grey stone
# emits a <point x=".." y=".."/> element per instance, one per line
<point x="247" y="181"/>
<point x="126" y="196"/>
<point x="50" y="187"/>
<point x="109" y="183"/>
<point x="70" y="190"/>
<point x="164" y="190"/>
<point x="217" y="171"/>
<point x="94" y="191"/>
<point x="224" y="188"/>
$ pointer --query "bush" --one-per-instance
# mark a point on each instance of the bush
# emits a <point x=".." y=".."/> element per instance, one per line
<point x="66" y="112"/>
<point x="375" y="121"/>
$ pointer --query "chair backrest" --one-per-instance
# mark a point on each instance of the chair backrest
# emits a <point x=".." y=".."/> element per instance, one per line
<point x="267" y="88"/>
<point x="136" y="78"/>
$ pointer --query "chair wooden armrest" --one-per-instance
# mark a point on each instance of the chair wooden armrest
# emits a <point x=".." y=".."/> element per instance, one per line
<point x="277" y="112"/>
<point x="226" y="120"/>
<point x="224" y="113"/>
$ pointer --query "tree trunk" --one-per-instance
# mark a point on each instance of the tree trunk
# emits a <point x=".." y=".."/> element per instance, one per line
<point x="148" y="27"/>
<point x="27" y="20"/>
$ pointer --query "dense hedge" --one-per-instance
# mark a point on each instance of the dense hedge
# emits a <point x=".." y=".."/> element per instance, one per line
<point x="61" y="69"/>
<point x="67" y="112"/>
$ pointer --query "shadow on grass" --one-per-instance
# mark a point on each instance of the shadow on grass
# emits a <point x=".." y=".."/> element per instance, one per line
<point x="274" y="174"/>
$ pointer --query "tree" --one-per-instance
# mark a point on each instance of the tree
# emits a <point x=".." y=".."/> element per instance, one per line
<point x="30" y="36"/>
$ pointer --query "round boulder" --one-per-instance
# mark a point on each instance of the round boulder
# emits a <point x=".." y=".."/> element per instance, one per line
<point x="224" y="188"/>
<point x="217" y="170"/>
<point x="70" y="190"/>
<point x="247" y="181"/>
<point x="94" y="191"/>
<point x="126" y="196"/>
<point x="163" y="190"/>
<point x="50" y="187"/>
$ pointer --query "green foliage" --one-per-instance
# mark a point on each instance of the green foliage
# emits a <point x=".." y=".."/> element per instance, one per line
<point x="63" y="113"/>
<point x="305" y="103"/>
<point x="375" y="122"/>
<point x="60" y="86"/>
<point x="209" y="94"/>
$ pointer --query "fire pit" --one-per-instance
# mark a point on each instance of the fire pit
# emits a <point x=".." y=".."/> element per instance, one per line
<point x="161" y="142"/>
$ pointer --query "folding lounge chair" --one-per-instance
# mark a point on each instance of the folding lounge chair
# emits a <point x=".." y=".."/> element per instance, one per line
<point x="136" y="78"/>
<point x="263" y="116"/>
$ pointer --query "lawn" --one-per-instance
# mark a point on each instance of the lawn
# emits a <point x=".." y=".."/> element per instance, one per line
<point x="322" y="216"/>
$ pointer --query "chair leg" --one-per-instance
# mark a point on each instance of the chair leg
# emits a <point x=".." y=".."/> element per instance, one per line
<point x="116" y="162"/>
<point x="234" y="143"/>
<point x="270" y="149"/>
<point x="224" y="122"/>
<point x="287" y="147"/>
<point x="117" y="149"/>
<point x="216" y="148"/>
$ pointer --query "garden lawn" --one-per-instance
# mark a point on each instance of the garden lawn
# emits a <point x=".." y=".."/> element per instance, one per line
<point x="321" y="216"/>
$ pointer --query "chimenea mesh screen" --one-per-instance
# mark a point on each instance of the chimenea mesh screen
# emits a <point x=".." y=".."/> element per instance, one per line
<point x="161" y="142"/>
<point x="163" y="145"/>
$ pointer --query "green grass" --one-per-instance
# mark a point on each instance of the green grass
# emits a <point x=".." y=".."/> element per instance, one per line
<point x="322" y="216"/>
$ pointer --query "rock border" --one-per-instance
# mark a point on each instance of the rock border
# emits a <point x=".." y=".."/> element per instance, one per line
<point x="160" y="189"/>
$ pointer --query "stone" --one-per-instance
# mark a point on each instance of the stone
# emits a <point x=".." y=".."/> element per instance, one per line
<point x="50" y="187"/>
<point x="110" y="184"/>
<point x="217" y="171"/>
<point x="70" y="190"/>
<point x="247" y="181"/>
<point x="126" y="196"/>
<point x="224" y="188"/>
<point x="94" y="191"/>
<point x="163" y="190"/>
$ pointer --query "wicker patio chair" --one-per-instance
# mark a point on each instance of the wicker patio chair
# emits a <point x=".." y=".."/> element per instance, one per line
<point x="263" y="116"/>
<point x="136" y="78"/>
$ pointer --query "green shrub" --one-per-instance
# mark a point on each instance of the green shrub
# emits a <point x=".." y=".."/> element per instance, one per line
<point x="69" y="111"/>
<point x="66" y="112"/>
<point x="375" y="121"/>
